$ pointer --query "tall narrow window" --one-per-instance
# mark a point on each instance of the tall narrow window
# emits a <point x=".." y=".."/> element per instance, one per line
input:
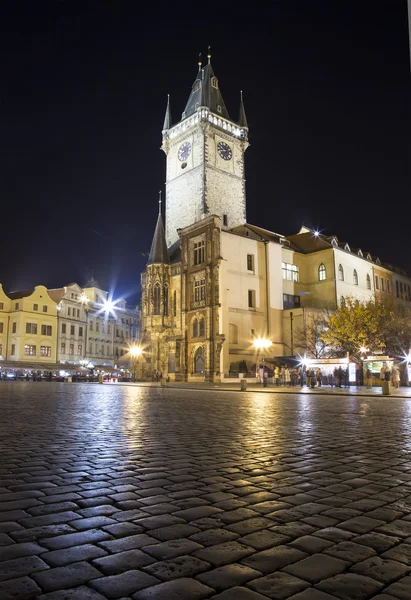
<point x="148" y="299"/>
<point x="166" y="300"/>
<point x="340" y="273"/>
<point x="368" y="282"/>
<point x="382" y="284"/>
<point x="225" y="220"/>
<point x="250" y="262"/>
<point x="251" y="298"/>
<point x="199" y="253"/>
<point x="199" y="290"/>
<point x="157" y="299"/>
<point x="195" y="328"/>
<point x="355" y="277"/>
<point x="175" y="303"/>
<point x="322" y="272"/>
<point x="202" y="328"/>
<point x="377" y="283"/>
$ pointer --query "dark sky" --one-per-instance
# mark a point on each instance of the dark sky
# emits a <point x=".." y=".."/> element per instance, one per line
<point x="84" y="84"/>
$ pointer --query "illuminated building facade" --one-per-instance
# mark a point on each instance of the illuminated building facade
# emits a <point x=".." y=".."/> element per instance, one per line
<point x="214" y="283"/>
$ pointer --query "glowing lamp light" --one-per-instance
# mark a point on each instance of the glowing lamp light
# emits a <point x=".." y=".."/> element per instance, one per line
<point x="262" y="343"/>
<point x="363" y="349"/>
<point x="316" y="233"/>
<point x="136" y="351"/>
<point x="83" y="298"/>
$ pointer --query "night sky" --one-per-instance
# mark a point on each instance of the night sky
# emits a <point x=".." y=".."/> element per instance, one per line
<point x="84" y="85"/>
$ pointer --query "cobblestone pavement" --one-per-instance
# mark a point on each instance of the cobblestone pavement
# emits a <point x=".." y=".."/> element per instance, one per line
<point x="150" y="493"/>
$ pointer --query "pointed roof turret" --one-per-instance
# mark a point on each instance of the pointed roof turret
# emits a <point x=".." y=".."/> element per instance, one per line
<point x="159" y="252"/>
<point x="167" y="118"/>
<point x="206" y="92"/>
<point x="242" y="119"/>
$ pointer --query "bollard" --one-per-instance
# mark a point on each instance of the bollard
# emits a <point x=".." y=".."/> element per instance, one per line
<point x="163" y="382"/>
<point x="100" y="379"/>
<point x="386" y="388"/>
<point x="243" y="385"/>
<point x="69" y="379"/>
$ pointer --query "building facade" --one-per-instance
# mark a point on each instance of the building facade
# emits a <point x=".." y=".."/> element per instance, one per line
<point x="214" y="283"/>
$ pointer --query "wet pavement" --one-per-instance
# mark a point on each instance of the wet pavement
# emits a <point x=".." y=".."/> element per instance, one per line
<point x="161" y="493"/>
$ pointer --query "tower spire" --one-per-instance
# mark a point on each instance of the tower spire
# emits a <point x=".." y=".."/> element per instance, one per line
<point x="158" y="251"/>
<point x="167" y="118"/>
<point x="242" y="119"/>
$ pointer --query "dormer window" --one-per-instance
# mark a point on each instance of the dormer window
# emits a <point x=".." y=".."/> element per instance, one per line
<point x="219" y="109"/>
<point x="346" y="247"/>
<point x="214" y="82"/>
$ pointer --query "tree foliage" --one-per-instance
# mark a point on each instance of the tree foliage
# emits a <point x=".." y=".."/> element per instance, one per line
<point x="309" y="338"/>
<point x="378" y="325"/>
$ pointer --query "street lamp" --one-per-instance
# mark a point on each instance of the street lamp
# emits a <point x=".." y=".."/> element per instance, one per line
<point x="135" y="352"/>
<point x="262" y="344"/>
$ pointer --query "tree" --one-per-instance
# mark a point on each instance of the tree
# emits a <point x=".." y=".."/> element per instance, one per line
<point x="376" y="325"/>
<point x="309" y="337"/>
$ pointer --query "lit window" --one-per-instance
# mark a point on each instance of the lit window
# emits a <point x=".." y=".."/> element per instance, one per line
<point x="199" y="253"/>
<point x="290" y="272"/>
<point x="355" y="277"/>
<point x="340" y="273"/>
<point x="250" y="262"/>
<point x="29" y="350"/>
<point x="45" y="351"/>
<point x="322" y="272"/>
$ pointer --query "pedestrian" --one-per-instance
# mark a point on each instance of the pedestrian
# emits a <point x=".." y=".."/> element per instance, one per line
<point x="282" y="375"/>
<point x="287" y="376"/>
<point x="308" y="377"/>
<point x="277" y="376"/>
<point x="261" y="373"/>
<point x="318" y="375"/>
<point x="395" y="376"/>
<point x="340" y="376"/>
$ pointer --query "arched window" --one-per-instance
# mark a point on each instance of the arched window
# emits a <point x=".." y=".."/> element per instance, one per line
<point x="368" y="282"/>
<point x="175" y="303"/>
<point x="195" y="328"/>
<point x="342" y="301"/>
<point x="355" y="277"/>
<point x="322" y="272"/>
<point x="199" y="362"/>
<point x="202" y="328"/>
<point x="166" y="300"/>
<point x="156" y="299"/>
<point x="340" y="273"/>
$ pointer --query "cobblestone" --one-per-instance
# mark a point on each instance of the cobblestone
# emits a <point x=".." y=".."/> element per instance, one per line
<point x="244" y="503"/>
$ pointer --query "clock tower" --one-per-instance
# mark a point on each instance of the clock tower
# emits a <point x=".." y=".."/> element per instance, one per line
<point x="205" y="159"/>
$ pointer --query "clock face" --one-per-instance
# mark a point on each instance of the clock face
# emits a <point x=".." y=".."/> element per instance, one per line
<point x="224" y="150"/>
<point x="184" y="151"/>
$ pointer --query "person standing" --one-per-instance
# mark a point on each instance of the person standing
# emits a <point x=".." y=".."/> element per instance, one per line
<point x="287" y="376"/>
<point x="395" y="376"/>
<point x="277" y="376"/>
<point x="319" y="375"/>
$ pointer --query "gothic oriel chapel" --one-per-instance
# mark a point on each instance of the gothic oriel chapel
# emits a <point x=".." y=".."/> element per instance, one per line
<point x="213" y="282"/>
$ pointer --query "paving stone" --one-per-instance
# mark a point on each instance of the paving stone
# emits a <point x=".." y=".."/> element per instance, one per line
<point x="312" y="594"/>
<point x="173" y="532"/>
<point x="278" y="585"/>
<point x="400" y="589"/>
<point x="334" y="534"/>
<point x="401" y="553"/>
<point x="97" y="511"/>
<point x="350" y="552"/>
<point x="65" y="556"/>
<point x="361" y="524"/>
<point x="91" y="523"/>
<point x="79" y="593"/>
<point x="74" y="539"/>
<point x="123" y="529"/>
<point x="316" y="567"/>
<point x="8" y="526"/>
<point x="123" y="561"/>
<point x="179" y="589"/>
<point x="239" y="593"/>
<point x="260" y="540"/>
<point x="128" y="543"/>
<point x="400" y="528"/>
<point x="18" y="567"/>
<point x="272" y="559"/>
<point x="211" y="537"/>
<point x="310" y="544"/>
<point x="69" y="576"/>
<point x="250" y="525"/>
<point x="22" y="588"/>
<point x="293" y="529"/>
<point x="61" y="517"/>
<point x="5" y="539"/>
<point x="222" y="554"/>
<point x="165" y="550"/>
<point x="228" y="576"/>
<point x="377" y="541"/>
<point x="19" y="550"/>
<point x="123" y="584"/>
<point x="380" y="569"/>
<point x="350" y="586"/>
<point x="181" y="566"/>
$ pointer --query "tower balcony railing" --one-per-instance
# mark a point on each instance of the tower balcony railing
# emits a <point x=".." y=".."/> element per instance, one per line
<point x="204" y="114"/>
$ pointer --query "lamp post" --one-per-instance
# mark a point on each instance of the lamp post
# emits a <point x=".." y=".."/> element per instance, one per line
<point x="262" y="344"/>
<point x="135" y="352"/>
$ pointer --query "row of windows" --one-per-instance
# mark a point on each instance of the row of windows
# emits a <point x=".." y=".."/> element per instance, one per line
<point x="71" y="349"/>
<point x="402" y="289"/>
<point x="32" y="329"/>
<point x="30" y="350"/>
<point x="341" y="277"/>
<point x="17" y="306"/>
<point x="157" y="300"/>
<point x="72" y="330"/>
<point x="385" y="284"/>
<point x="290" y="272"/>
<point x="198" y="327"/>
<point x="73" y="312"/>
